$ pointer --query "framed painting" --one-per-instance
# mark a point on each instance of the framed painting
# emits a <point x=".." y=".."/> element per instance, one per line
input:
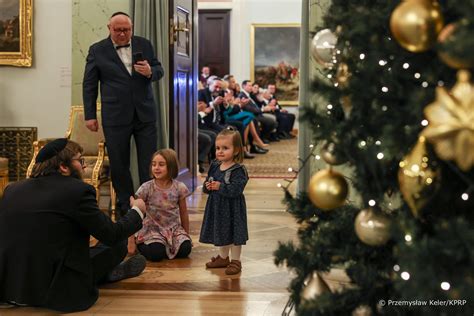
<point x="275" y="59"/>
<point x="16" y="32"/>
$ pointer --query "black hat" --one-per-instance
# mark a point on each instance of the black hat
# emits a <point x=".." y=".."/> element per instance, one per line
<point x="51" y="149"/>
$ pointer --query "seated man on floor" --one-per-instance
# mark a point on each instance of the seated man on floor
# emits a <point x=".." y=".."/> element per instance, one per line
<point x="45" y="224"/>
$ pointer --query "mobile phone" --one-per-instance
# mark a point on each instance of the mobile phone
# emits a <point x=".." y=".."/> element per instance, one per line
<point x="138" y="56"/>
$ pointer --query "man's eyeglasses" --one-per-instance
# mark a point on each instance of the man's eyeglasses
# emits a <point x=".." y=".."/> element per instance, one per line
<point x="81" y="160"/>
<point x="122" y="30"/>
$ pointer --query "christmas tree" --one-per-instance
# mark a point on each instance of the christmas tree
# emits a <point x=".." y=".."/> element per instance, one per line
<point x="396" y="106"/>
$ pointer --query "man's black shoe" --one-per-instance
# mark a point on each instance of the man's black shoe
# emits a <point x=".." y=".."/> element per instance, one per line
<point x="248" y="155"/>
<point x="257" y="150"/>
<point x="130" y="268"/>
<point x="274" y="138"/>
<point x="265" y="140"/>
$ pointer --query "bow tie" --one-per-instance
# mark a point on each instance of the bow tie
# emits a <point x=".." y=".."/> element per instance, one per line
<point x="122" y="46"/>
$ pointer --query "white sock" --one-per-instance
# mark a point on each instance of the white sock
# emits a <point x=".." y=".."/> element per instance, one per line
<point x="224" y="251"/>
<point x="235" y="252"/>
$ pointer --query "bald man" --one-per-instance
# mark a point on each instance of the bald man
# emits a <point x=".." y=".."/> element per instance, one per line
<point x="125" y="66"/>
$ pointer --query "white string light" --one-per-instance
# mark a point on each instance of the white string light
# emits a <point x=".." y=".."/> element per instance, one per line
<point x="408" y="238"/>
<point x="380" y="156"/>
<point x="372" y="203"/>
<point x="445" y="286"/>
<point x="362" y="56"/>
<point x="405" y="276"/>
<point x="424" y="84"/>
<point x="465" y="196"/>
<point x="384" y="89"/>
<point x="406" y="65"/>
<point x="424" y="123"/>
<point x="417" y="75"/>
<point x="396" y="268"/>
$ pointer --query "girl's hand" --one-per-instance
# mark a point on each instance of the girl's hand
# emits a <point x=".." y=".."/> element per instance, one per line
<point x="213" y="186"/>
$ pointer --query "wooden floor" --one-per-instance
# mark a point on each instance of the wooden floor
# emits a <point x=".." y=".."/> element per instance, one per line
<point x="185" y="287"/>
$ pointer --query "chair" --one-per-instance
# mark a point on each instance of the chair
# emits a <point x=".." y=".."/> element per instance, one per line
<point x="97" y="171"/>
<point x="3" y="174"/>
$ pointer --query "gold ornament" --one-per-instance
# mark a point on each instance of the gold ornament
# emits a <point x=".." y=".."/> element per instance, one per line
<point x="323" y="47"/>
<point x="418" y="177"/>
<point x="415" y="24"/>
<point x="342" y="75"/>
<point x="346" y="106"/>
<point x="372" y="227"/>
<point x="362" y="310"/>
<point x="328" y="189"/>
<point x="451" y="122"/>
<point x="314" y="286"/>
<point x="452" y="60"/>
<point x="331" y="154"/>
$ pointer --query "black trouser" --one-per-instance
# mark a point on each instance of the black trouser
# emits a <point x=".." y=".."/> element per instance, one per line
<point x="105" y="259"/>
<point x="157" y="251"/>
<point x="286" y="121"/>
<point x="206" y="144"/>
<point x="118" y="149"/>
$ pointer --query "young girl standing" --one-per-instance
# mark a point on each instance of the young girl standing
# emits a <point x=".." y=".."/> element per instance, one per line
<point x="225" y="217"/>
<point x="165" y="232"/>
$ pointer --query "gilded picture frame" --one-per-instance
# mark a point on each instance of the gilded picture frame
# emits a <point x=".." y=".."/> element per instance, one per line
<point x="16" y="33"/>
<point x="275" y="58"/>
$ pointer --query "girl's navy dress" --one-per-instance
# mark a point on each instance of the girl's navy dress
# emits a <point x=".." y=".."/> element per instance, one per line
<point x="225" y="217"/>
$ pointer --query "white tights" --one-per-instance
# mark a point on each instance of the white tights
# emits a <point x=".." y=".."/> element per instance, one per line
<point x="235" y="252"/>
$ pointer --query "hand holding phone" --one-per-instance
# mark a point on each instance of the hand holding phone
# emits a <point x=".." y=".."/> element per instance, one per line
<point x="138" y="56"/>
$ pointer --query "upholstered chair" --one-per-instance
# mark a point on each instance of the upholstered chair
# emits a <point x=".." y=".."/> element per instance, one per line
<point x="97" y="171"/>
<point x="3" y="174"/>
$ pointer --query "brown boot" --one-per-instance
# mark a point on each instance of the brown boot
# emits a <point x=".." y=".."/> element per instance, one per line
<point x="234" y="267"/>
<point x="217" y="262"/>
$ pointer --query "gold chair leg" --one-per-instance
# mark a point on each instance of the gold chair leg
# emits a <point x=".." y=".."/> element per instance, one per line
<point x="112" y="201"/>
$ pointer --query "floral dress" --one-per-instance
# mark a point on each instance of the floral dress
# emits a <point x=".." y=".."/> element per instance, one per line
<point x="162" y="223"/>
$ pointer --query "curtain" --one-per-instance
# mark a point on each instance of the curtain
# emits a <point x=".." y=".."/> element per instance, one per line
<point x="150" y="20"/>
<point x="304" y="135"/>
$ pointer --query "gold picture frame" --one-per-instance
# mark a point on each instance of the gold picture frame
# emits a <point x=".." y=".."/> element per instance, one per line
<point x="275" y="58"/>
<point x="16" y="33"/>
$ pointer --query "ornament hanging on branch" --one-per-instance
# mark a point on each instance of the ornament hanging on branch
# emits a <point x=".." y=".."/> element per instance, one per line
<point x="451" y="118"/>
<point x="328" y="189"/>
<point x="372" y="227"/>
<point x="451" y="50"/>
<point x="342" y="75"/>
<point x="419" y="177"/>
<point x="323" y="47"/>
<point x="314" y="286"/>
<point x="415" y="24"/>
<point x="331" y="154"/>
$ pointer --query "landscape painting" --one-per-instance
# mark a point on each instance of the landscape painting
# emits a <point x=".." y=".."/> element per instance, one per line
<point x="275" y="53"/>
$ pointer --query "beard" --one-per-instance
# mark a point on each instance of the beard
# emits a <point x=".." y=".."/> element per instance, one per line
<point x="75" y="173"/>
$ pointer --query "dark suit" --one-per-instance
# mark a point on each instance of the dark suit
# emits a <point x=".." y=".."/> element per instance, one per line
<point x="45" y="225"/>
<point x="268" y="124"/>
<point x="128" y="108"/>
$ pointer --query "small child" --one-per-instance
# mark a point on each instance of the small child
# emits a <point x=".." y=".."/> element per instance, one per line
<point x="225" y="217"/>
<point x="165" y="231"/>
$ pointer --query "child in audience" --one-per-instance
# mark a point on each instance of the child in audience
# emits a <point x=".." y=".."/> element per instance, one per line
<point x="225" y="217"/>
<point x="165" y="232"/>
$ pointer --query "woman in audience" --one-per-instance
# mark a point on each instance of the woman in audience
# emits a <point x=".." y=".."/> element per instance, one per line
<point x="232" y="111"/>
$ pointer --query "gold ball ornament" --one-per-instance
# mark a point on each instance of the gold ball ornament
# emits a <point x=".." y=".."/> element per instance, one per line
<point x="314" y="286"/>
<point x="323" y="47"/>
<point x="328" y="189"/>
<point x="447" y="35"/>
<point x="331" y="154"/>
<point x="372" y="227"/>
<point x="451" y="127"/>
<point x="415" y="24"/>
<point x="342" y="75"/>
<point x="418" y="177"/>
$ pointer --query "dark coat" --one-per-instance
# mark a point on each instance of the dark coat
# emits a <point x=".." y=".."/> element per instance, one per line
<point x="121" y="93"/>
<point x="45" y="225"/>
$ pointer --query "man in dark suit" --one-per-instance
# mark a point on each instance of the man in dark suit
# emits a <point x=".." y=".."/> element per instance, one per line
<point x="45" y="224"/>
<point x="125" y="66"/>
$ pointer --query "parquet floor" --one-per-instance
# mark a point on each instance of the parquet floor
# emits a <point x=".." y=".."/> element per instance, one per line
<point x="185" y="287"/>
